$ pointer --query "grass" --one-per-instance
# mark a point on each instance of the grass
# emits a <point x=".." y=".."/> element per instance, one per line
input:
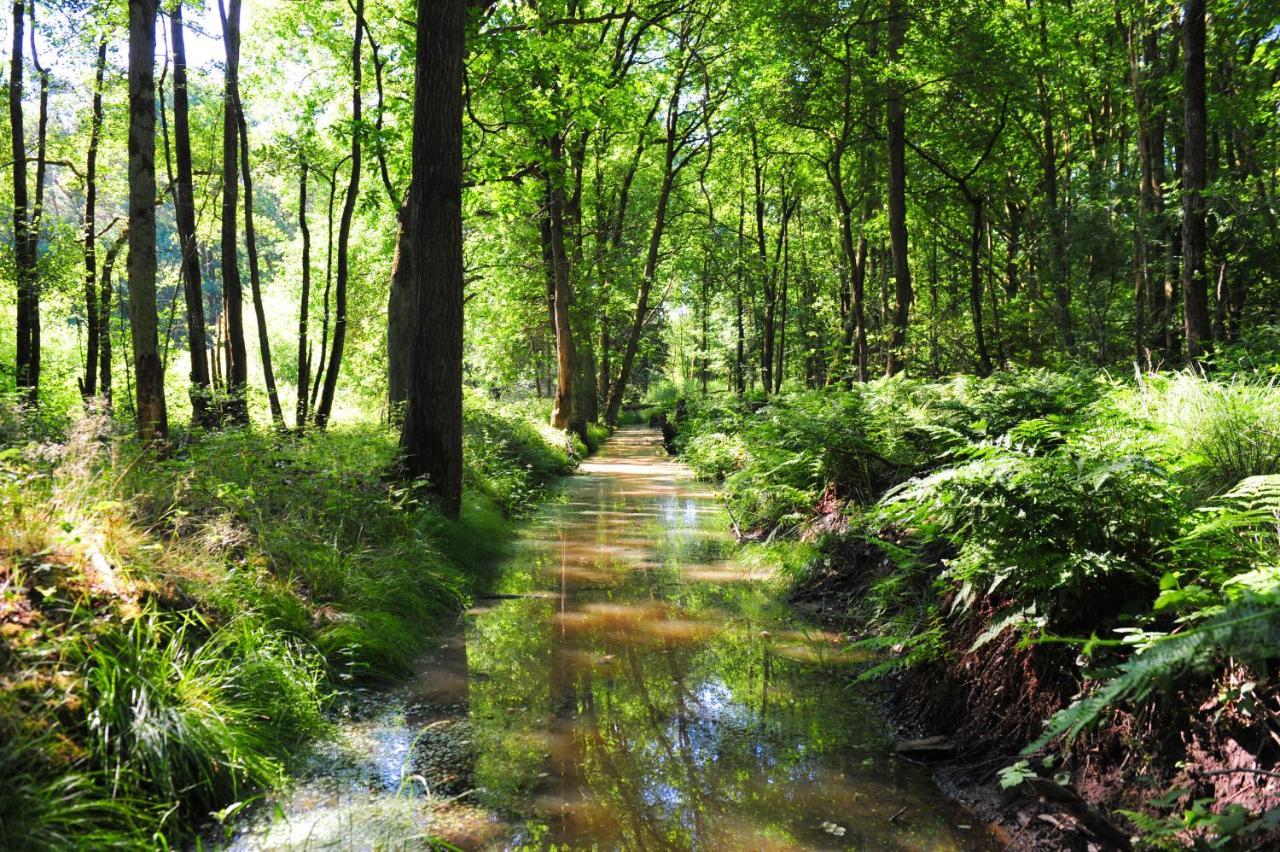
<point x="1134" y="519"/>
<point x="174" y="628"/>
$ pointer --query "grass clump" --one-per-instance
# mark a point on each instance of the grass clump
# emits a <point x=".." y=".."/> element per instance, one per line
<point x="173" y="628"/>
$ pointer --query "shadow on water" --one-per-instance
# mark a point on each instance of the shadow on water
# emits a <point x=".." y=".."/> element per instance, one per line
<point x="631" y="687"/>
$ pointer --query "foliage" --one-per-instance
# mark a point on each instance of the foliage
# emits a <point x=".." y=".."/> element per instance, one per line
<point x="173" y="627"/>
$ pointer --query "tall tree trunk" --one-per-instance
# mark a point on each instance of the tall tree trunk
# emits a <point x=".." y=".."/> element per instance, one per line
<point x="37" y="214"/>
<point x="1195" y="290"/>
<point x="153" y="425"/>
<point x="185" y="214"/>
<point x="432" y="434"/>
<point x="1146" y="193"/>
<point x="895" y="127"/>
<point x="740" y="350"/>
<point x="325" y="409"/>
<point x="328" y="284"/>
<point x="255" y="279"/>
<point x="563" y="414"/>
<point x="1055" y="223"/>
<point x="232" y="293"/>
<point x="304" y="305"/>
<point x="25" y="265"/>
<point x="670" y="168"/>
<point x="975" y="284"/>
<point x="400" y="322"/>
<point x="106" y="285"/>
<point x="89" y="383"/>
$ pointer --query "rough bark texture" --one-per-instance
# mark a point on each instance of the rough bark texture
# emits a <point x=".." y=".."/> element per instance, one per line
<point x="148" y="374"/>
<point x="89" y="382"/>
<point x="1195" y="290"/>
<point x="304" y="303"/>
<point x="232" y="292"/>
<point x="185" y="215"/>
<point x="325" y="409"/>
<point x="25" y="265"/>
<point x="400" y="322"/>
<point x="431" y="437"/>
<point x="895" y="127"/>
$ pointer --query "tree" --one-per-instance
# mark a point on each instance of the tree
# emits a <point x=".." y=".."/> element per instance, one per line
<point x="237" y="407"/>
<point x="1195" y="288"/>
<point x="89" y="381"/>
<point x="153" y="425"/>
<point x="185" y="216"/>
<point x="431" y="436"/>
<point x="895" y="130"/>
<point x="325" y="409"/>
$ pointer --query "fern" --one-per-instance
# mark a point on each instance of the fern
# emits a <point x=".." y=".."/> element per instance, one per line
<point x="1247" y="629"/>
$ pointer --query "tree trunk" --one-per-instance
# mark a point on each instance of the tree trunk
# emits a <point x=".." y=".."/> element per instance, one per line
<point x="762" y="268"/>
<point x="1055" y="220"/>
<point x="232" y="293"/>
<point x="149" y="376"/>
<point x="304" y="304"/>
<point x="325" y="409"/>
<point x="255" y="279"/>
<point x="105" y="287"/>
<point x="432" y="434"/>
<point x="975" y="285"/>
<point x="185" y="214"/>
<point x="895" y="127"/>
<point x="400" y="322"/>
<point x="25" y="266"/>
<point x="641" y="316"/>
<point x="1195" y="291"/>
<point x="563" y="413"/>
<point x="89" y="383"/>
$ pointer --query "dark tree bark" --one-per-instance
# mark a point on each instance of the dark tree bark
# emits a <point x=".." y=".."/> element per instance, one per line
<point x="1055" y="224"/>
<point x="328" y="285"/>
<point x="27" y="376"/>
<point x="185" y="215"/>
<point x="105" y="287"/>
<point x="895" y="127"/>
<point x="400" y="322"/>
<point x="255" y="278"/>
<point x="563" y="411"/>
<point x="431" y="437"/>
<point x="1195" y="290"/>
<point x="232" y="292"/>
<point x="153" y="426"/>
<point x="89" y="382"/>
<point x="325" y="409"/>
<point x="304" y="304"/>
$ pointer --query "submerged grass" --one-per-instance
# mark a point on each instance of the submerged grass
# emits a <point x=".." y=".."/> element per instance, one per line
<point x="173" y="628"/>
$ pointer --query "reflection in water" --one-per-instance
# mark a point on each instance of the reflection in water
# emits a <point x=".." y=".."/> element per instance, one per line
<point x="626" y="691"/>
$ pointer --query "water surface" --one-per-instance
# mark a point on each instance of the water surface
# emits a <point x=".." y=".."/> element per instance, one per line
<point x="631" y="686"/>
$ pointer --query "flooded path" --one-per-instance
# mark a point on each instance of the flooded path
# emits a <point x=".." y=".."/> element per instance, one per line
<point x="631" y="687"/>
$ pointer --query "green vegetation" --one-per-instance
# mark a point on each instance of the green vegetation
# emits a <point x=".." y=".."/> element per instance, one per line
<point x="1137" y="515"/>
<point x="984" y="292"/>
<point x="173" y="628"/>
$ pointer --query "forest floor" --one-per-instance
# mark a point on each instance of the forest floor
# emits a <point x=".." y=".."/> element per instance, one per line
<point x="1066" y="582"/>
<point x="176" y="629"/>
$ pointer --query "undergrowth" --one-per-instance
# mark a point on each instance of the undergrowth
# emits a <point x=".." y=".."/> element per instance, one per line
<point x="1136" y="519"/>
<point x="174" y="628"/>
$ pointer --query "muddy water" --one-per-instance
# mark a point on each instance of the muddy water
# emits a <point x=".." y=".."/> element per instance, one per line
<point x="631" y="687"/>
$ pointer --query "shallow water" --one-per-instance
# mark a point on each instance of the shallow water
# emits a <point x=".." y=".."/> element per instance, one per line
<point x="632" y="687"/>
